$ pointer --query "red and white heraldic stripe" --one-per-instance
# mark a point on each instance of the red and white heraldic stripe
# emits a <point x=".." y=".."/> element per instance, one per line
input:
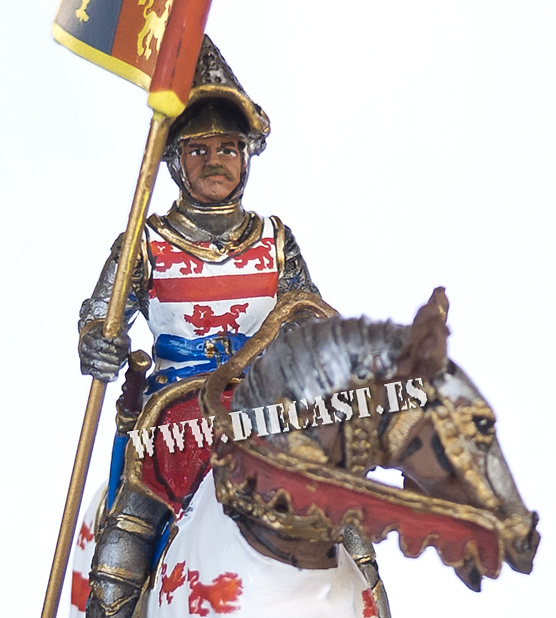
<point x="193" y="298"/>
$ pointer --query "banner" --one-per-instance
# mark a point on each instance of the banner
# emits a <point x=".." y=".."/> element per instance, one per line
<point x="152" y="43"/>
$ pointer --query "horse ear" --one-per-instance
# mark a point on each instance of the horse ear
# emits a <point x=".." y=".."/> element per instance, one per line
<point x="426" y="351"/>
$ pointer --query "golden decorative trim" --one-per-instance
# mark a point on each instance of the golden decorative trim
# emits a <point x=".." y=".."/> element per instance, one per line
<point x="134" y="525"/>
<point x="209" y="254"/>
<point x="361" y="440"/>
<point x="456" y="429"/>
<point x="280" y="239"/>
<point x="257" y="119"/>
<point x="100" y="515"/>
<point x="155" y="572"/>
<point x="399" y="431"/>
<point x="305" y="447"/>
<point x="313" y="527"/>
<point x="122" y="575"/>
<point x="363" y="559"/>
<point x="139" y="361"/>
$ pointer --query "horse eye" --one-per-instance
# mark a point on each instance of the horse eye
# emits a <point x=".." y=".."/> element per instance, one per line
<point x="483" y="424"/>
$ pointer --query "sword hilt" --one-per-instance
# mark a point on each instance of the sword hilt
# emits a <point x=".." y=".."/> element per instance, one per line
<point x="130" y="402"/>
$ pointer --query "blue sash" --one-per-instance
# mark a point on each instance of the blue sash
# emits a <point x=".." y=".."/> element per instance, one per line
<point x="202" y="354"/>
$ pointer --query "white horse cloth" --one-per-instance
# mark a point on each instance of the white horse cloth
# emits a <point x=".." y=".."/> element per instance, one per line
<point x="210" y="570"/>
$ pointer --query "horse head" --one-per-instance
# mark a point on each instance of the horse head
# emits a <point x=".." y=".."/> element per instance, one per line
<point x="374" y="394"/>
<point x="449" y="448"/>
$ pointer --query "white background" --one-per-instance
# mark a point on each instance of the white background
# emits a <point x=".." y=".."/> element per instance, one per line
<point x="412" y="145"/>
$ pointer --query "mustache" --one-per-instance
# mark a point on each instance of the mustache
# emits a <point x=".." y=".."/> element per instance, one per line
<point x="217" y="170"/>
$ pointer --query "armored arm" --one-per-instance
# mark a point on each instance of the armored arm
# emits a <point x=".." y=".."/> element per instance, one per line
<point x="295" y="274"/>
<point x="101" y="357"/>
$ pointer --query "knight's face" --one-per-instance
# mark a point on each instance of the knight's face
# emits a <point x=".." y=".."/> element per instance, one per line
<point x="212" y="166"/>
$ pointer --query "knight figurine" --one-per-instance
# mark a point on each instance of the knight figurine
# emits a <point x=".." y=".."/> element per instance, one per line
<point x="208" y="275"/>
<point x="207" y="267"/>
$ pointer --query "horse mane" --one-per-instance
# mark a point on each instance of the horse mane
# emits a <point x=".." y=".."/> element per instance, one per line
<point x="321" y="357"/>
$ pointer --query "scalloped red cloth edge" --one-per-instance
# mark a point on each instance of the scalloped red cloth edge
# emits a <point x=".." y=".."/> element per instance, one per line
<point x="449" y="535"/>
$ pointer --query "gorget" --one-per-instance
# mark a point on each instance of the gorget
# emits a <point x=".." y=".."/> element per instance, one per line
<point x="184" y="232"/>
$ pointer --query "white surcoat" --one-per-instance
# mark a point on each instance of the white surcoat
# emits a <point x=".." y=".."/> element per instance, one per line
<point x="201" y="312"/>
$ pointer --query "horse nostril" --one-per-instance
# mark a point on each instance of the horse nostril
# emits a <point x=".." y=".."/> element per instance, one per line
<point x="528" y="542"/>
<point x="532" y="541"/>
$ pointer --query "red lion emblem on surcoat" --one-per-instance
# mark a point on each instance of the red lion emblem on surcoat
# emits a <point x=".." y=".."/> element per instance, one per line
<point x="85" y="536"/>
<point x="166" y="256"/>
<point x="204" y="318"/>
<point x="224" y="590"/>
<point x="261" y="254"/>
<point x="171" y="583"/>
<point x="220" y="594"/>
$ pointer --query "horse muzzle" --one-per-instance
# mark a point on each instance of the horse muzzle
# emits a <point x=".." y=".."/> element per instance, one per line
<point x="521" y="540"/>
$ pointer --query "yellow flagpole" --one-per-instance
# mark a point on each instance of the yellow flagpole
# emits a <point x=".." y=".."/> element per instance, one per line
<point x="154" y="149"/>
